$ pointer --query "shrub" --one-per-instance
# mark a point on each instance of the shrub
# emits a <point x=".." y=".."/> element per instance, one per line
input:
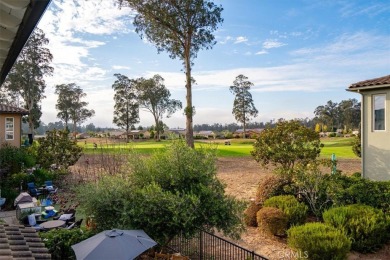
<point x="59" y="241"/>
<point x="318" y="241"/>
<point x="333" y="134"/>
<point x="271" y="186"/>
<point x="368" y="228"/>
<point x="272" y="220"/>
<point x="12" y="159"/>
<point x="294" y="210"/>
<point x="250" y="214"/>
<point x="346" y="190"/>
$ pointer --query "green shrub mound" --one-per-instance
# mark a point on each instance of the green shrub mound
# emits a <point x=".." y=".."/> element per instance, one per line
<point x="294" y="210"/>
<point x="318" y="241"/>
<point x="367" y="227"/>
<point x="250" y="214"/>
<point x="272" y="220"/>
<point x="271" y="186"/>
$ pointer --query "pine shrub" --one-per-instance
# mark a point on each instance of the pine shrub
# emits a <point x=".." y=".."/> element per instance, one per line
<point x="294" y="210"/>
<point x="367" y="227"/>
<point x="318" y="241"/>
<point x="250" y="214"/>
<point x="272" y="220"/>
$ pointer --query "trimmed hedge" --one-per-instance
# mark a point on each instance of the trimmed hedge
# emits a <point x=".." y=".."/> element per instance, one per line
<point x="272" y="220"/>
<point x="294" y="210"/>
<point x="250" y="214"/>
<point x="318" y="241"/>
<point x="367" y="227"/>
<point x="271" y="186"/>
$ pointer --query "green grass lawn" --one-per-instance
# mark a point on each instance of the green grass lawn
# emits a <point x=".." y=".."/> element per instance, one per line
<point x="341" y="147"/>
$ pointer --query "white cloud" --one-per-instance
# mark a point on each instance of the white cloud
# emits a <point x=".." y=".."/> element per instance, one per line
<point x="261" y="52"/>
<point x="272" y="43"/>
<point x="225" y="40"/>
<point x="119" y="67"/>
<point x="240" y="39"/>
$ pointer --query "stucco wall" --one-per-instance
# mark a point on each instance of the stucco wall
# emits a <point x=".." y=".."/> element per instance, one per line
<point x="376" y="144"/>
<point x="17" y="123"/>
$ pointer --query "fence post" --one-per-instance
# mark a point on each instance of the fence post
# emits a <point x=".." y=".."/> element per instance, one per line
<point x="253" y="255"/>
<point x="200" y="245"/>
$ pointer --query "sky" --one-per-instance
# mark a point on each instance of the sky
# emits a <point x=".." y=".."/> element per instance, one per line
<point x="298" y="54"/>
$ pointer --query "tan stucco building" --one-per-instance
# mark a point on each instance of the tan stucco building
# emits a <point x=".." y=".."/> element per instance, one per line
<point x="11" y="124"/>
<point x="375" y="127"/>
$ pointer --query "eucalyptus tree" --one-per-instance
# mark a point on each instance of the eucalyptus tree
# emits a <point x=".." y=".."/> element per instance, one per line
<point x="154" y="97"/>
<point x="182" y="28"/>
<point x="70" y="105"/>
<point x="243" y="107"/>
<point x="126" y="108"/>
<point x="26" y="78"/>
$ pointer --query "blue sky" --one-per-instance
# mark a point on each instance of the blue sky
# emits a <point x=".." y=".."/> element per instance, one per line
<point x="299" y="54"/>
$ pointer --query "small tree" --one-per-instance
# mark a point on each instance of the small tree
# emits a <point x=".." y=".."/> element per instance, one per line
<point x="357" y="145"/>
<point x="285" y="145"/>
<point x="126" y="108"/>
<point x="243" y="107"/>
<point x="154" y="97"/>
<point x="56" y="148"/>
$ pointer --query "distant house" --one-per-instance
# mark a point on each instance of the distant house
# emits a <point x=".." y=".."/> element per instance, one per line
<point x="206" y="134"/>
<point x="83" y="136"/>
<point x="11" y="124"/>
<point x="248" y="132"/>
<point x="375" y="126"/>
<point x="177" y="131"/>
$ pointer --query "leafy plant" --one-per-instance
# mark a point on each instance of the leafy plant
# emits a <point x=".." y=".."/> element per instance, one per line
<point x="285" y="145"/>
<point x="271" y="186"/>
<point x="294" y="210"/>
<point x="365" y="226"/>
<point x="357" y="145"/>
<point x="12" y="159"/>
<point x="272" y="220"/>
<point x="56" y="148"/>
<point x="172" y="191"/>
<point x="59" y="241"/>
<point x="318" y="241"/>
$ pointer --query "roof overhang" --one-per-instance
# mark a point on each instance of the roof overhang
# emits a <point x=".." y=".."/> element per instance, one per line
<point x="367" y="88"/>
<point x="18" y="19"/>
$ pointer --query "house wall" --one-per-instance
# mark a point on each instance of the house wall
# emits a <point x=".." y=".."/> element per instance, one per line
<point x="17" y="129"/>
<point x="375" y="144"/>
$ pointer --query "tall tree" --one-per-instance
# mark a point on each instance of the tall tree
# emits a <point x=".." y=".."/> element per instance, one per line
<point x="243" y="107"/>
<point x="64" y="101"/>
<point x="70" y="105"/>
<point x="126" y="108"/>
<point x="154" y="97"/>
<point x="26" y="76"/>
<point x="182" y="28"/>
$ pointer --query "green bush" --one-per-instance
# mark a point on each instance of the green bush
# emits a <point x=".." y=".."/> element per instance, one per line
<point x="271" y="186"/>
<point x="59" y="241"/>
<point x="250" y="214"/>
<point x="333" y="134"/>
<point x="272" y="220"/>
<point x="367" y="227"/>
<point x="346" y="190"/>
<point x="294" y="210"/>
<point x="12" y="159"/>
<point x="318" y="241"/>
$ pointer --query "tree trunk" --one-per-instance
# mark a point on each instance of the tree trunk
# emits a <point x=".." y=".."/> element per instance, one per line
<point x="157" y="129"/>
<point x="189" y="109"/>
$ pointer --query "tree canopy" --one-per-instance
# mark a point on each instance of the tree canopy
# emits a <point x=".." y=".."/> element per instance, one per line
<point x="243" y="107"/>
<point x="181" y="28"/>
<point x="26" y="78"/>
<point x="154" y="97"/>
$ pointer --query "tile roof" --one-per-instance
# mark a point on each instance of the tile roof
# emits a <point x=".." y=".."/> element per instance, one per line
<point x="12" y="110"/>
<point x="371" y="82"/>
<point x="19" y="242"/>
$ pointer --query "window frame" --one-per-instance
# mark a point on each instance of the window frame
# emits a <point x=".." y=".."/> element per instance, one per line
<point x="7" y="132"/>
<point x="373" y="112"/>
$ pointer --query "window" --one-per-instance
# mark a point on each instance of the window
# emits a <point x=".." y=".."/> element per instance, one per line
<point x="379" y="112"/>
<point x="9" y="128"/>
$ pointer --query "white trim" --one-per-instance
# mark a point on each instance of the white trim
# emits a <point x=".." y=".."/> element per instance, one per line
<point x="373" y="112"/>
<point x="13" y="129"/>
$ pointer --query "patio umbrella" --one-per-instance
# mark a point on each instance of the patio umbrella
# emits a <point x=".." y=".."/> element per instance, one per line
<point x="114" y="244"/>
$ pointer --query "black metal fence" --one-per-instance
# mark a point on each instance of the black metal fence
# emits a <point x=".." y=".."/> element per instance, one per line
<point x="207" y="246"/>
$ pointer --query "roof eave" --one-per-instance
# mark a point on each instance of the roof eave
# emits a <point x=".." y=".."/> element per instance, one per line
<point x="31" y="18"/>
<point x="359" y="89"/>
